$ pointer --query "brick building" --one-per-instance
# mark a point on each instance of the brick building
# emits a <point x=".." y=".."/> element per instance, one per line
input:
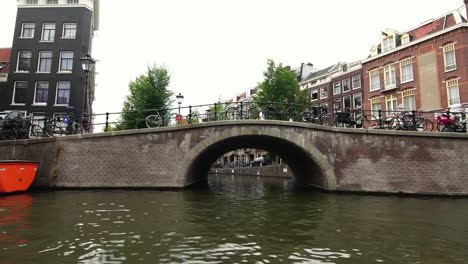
<point x="425" y="68"/>
<point x="5" y="54"/>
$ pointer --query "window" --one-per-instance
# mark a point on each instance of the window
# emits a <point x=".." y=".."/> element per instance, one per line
<point x="388" y="43"/>
<point x="48" y="32"/>
<point x="66" y="61"/>
<point x="31" y="2"/>
<point x="409" y="101"/>
<point x="52" y="2"/>
<point x="347" y="102"/>
<point x="453" y="92"/>
<point x="391" y="103"/>
<point x="357" y="82"/>
<point x="390" y="77"/>
<point x="24" y="61"/>
<point x="374" y="78"/>
<point x="69" y="31"/>
<point x="27" y="30"/>
<point x="314" y="94"/>
<point x="19" y="93"/>
<point x="450" y="62"/>
<point x="405" y="39"/>
<point x="357" y="100"/>
<point x="346" y="85"/>
<point x="45" y="61"/>
<point x="38" y="119"/>
<point x="63" y="93"/>
<point x="406" y="70"/>
<point x="323" y="92"/>
<point x="376" y="105"/>
<point x="336" y="88"/>
<point x="42" y="93"/>
<point x="71" y="2"/>
<point x="337" y="105"/>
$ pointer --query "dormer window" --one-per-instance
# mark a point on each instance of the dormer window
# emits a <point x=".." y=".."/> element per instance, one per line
<point x="31" y="2"/>
<point x="388" y="43"/>
<point x="405" y="39"/>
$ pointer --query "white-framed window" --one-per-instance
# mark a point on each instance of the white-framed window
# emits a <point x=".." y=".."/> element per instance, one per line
<point x="376" y="105"/>
<point x="336" y="88"/>
<point x="337" y="104"/>
<point x="314" y="94"/>
<point x="346" y="85"/>
<point x="63" y="93"/>
<point x="357" y="82"/>
<point x="66" y="61"/>
<point x="347" y="102"/>
<point x="38" y="119"/>
<point x="391" y="103"/>
<point x="19" y="93"/>
<point x="450" y="61"/>
<point x="357" y="100"/>
<point x="52" y="2"/>
<point x="374" y="79"/>
<point x="409" y="100"/>
<point x="406" y="70"/>
<point x="388" y="43"/>
<point x="48" y="32"/>
<point x="453" y="92"/>
<point x="45" y="61"/>
<point x="405" y="39"/>
<point x="390" y="76"/>
<point x="73" y="2"/>
<point x="31" y="2"/>
<point x="24" y="61"/>
<point x="42" y="93"/>
<point x="323" y="92"/>
<point x="69" y="31"/>
<point x="27" y="30"/>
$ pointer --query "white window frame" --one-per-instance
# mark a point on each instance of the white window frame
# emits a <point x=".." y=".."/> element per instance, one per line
<point x="18" y="60"/>
<point x="35" y="93"/>
<point x="354" y="100"/>
<point x="14" y="93"/>
<point x="390" y="40"/>
<point x="39" y="60"/>
<point x="408" y="93"/>
<point x="391" y="98"/>
<point x="73" y="2"/>
<point x="349" y="85"/>
<point x="38" y="121"/>
<point x="358" y="77"/>
<point x="373" y="73"/>
<point x="405" y="39"/>
<point x="389" y="69"/>
<point x="63" y="30"/>
<point x="33" y="30"/>
<point x="405" y="63"/>
<point x="334" y="86"/>
<point x="44" y="29"/>
<point x="312" y="93"/>
<point x="452" y="83"/>
<point x="350" y="102"/>
<point x="60" y="62"/>
<point x="374" y="101"/>
<point x="57" y="93"/>
<point x="326" y="92"/>
<point x="446" y="49"/>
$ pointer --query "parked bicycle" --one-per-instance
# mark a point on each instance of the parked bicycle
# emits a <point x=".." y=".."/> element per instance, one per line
<point x="407" y="120"/>
<point x="14" y="125"/>
<point x="454" y="120"/>
<point x="160" y="118"/>
<point x="63" y="126"/>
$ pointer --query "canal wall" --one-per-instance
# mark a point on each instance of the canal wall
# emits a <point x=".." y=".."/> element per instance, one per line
<point x="334" y="159"/>
<point x="275" y="170"/>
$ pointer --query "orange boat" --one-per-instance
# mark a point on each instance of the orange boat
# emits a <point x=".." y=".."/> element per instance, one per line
<point x="17" y="175"/>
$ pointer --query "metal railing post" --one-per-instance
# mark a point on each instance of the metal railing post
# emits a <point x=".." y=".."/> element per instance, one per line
<point x="107" y="121"/>
<point x="241" y="110"/>
<point x="190" y="114"/>
<point x="216" y="111"/>
<point x="380" y="118"/>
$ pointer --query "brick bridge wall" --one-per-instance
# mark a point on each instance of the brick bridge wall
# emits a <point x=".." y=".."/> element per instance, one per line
<point x="345" y="160"/>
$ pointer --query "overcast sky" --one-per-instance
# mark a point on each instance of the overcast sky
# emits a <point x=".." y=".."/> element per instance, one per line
<point x="219" y="48"/>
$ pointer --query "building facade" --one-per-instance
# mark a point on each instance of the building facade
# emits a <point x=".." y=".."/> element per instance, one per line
<point x="5" y="54"/>
<point x="425" y="68"/>
<point x="45" y="76"/>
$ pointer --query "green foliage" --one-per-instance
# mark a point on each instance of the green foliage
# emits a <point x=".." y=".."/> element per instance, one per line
<point x="280" y="86"/>
<point x="215" y="111"/>
<point x="148" y="91"/>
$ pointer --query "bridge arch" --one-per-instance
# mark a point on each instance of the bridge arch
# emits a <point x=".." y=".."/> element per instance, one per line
<point x="309" y="165"/>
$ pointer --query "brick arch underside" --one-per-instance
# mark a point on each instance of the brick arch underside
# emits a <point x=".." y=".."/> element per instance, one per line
<point x="308" y="167"/>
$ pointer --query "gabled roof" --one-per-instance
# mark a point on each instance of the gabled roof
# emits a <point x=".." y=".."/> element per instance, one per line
<point x="436" y="24"/>
<point x="321" y="72"/>
<point x="5" y="54"/>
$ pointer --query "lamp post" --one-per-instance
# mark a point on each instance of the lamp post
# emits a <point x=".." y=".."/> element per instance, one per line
<point x="87" y="65"/>
<point x="179" y="98"/>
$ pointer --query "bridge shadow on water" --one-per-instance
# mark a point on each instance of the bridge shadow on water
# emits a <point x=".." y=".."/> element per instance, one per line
<point x="303" y="166"/>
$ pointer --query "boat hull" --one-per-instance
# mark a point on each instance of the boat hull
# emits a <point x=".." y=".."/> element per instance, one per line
<point x="17" y="176"/>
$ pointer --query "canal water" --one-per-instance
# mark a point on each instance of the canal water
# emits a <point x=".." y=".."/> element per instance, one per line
<point x="237" y="219"/>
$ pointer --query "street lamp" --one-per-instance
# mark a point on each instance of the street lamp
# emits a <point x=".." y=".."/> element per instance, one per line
<point x="179" y="98"/>
<point x="87" y="64"/>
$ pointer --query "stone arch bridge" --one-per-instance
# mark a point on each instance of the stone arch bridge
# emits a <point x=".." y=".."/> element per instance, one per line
<point x="332" y="159"/>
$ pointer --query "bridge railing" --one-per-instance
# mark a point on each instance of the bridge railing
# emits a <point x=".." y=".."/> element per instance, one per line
<point x="398" y="119"/>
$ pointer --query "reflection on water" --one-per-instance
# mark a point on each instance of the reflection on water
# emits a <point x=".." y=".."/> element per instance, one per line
<point x="237" y="220"/>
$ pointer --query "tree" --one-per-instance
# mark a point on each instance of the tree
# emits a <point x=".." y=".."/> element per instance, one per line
<point x="148" y="95"/>
<point x="280" y="86"/>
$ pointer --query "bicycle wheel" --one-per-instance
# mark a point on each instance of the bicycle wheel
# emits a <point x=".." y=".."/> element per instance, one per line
<point x="327" y="120"/>
<point x="395" y="123"/>
<point x="424" y="125"/>
<point x="53" y="130"/>
<point x="368" y="122"/>
<point x="153" y="121"/>
<point x="36" y="131"/>
<point x="306" y="116"/>
<point x="253" y="114"/>
<point x="269" y="113"/>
